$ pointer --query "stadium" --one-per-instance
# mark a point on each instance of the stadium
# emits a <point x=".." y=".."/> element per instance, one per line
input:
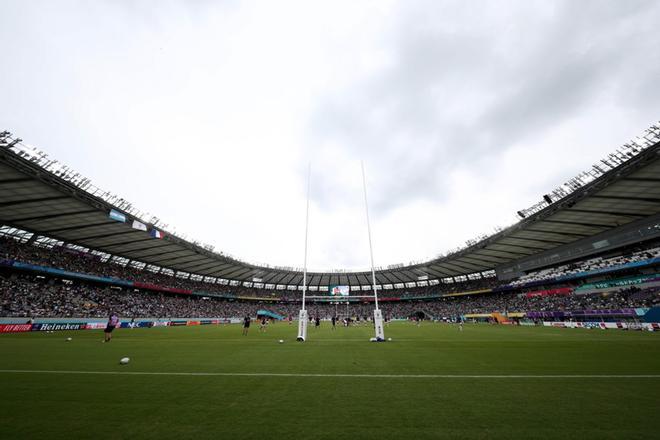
<point x="584" y="258"/>
<point x="114" y="324"/>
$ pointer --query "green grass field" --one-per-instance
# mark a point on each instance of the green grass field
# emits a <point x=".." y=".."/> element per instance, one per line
<point x="335" y="385"/>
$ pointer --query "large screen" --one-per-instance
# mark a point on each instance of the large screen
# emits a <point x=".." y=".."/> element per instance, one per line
<point x="336" y="290"/>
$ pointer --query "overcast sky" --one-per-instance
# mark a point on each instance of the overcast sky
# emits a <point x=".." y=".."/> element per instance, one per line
<point x="206" y="113"/>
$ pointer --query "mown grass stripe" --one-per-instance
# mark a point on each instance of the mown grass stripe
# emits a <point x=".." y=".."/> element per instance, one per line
<point x="340" y="375"/>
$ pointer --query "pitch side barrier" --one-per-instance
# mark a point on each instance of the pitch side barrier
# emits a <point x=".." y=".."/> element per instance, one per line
<point x="61" y="324"/>
<point x="646" y="326"/>
<point x="21" y="266"/>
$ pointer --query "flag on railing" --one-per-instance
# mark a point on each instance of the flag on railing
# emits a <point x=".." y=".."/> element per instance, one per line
<point x="139" y="225"/>
<point x="118" y="216"/>
<point x="155" y="233"/>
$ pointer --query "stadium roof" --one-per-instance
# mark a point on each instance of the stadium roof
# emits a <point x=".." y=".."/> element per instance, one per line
<point x="62" y="205"/>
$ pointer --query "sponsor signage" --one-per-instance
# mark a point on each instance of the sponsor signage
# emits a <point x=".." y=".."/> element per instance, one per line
<point x="649" y="326"/>
<point x="95" y="325"/>
<point x="161" y="288"/>
<point x="66" y="273"/>
<point x="136" y="324"/>
<point x="621" y="282"/>
<point x="53" y="326"/>
<point x="560" y="291"/>
<point x="178" y="323"/>
<point x="160" y="323"/>
<point x="15" y="328"/>
<point x="581" y="313"/>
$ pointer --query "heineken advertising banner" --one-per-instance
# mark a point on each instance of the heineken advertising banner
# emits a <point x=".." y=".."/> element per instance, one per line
<point x="53" y="326"/>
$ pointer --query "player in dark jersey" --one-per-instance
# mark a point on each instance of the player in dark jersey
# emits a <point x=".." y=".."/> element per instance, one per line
<point x="317" y="322"/>
<point x="334" y="322"/>
<point x="113" y="320"/>
<point x="246" y="325"/>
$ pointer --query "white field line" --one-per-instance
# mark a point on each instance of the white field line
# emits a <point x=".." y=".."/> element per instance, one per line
<point x="366" y="376"/>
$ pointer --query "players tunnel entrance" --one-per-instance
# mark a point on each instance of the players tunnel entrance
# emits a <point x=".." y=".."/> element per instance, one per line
<point x="420" y="314"/>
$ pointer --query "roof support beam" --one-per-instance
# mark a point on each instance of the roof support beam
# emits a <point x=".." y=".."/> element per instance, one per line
<point x="642" y="179"/>
<point x="216" y="268"/>
<point x="643" y="199"/>
<point x="290" y="278"/>
<point x="185" y="265"/>
<point x="589" y="225"/>
<point x="25" y="202"/>
<point x="113" y="234"/>
<point x="124" y="243"/>
<point x="73" y="228"/>
<point x="615" y="213"/>
<point x="507" y="253"/>
<point x="494" y="258"/>
<point x="268" y="279"/>
<point x="364" y="282"/>
<point x="394" y="274"/>
<point x="16" y="180"/>
<point x="482" y="258"/>
<point x="428" y="270"/>
<point x="52" y="216"/>
<point x="229" y="271"/>
<point x="168" y="257"/>
<point x="204" y="266"/>
<point x="461" y="266"/>
<point x="539" y="240"/>
<point x="449" y="272"/>
<point x="159" y="252"/>
<point x="533" y="248"/>
<point x="572" y="234"/>
<point x="236" y="274"/>
<point x="479" y="266"/>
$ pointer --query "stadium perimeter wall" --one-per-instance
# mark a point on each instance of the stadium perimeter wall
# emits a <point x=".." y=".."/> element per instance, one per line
<point x="59" y="324"/>
<point x="19" y="325"/>
<point x="648" y="326"/>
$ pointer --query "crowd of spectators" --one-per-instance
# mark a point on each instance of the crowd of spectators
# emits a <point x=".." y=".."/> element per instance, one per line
<point x="83" y="262"/>
<point x="30" y="296"/>
<point x="35" y="296"/>
<point x="591" y="264"/>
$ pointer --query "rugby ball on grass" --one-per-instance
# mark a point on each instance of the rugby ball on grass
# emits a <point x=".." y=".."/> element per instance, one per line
<point x="124" y="361"/>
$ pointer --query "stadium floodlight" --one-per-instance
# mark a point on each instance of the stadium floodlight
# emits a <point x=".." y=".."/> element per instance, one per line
<point x="302" y="316"/>
<point x="378" y="315"/>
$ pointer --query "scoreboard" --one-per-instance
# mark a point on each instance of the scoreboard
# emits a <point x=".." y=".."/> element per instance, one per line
<point x="338" y="290"/>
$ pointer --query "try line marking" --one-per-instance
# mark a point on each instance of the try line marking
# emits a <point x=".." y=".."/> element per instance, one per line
<point x="366" y="376"/>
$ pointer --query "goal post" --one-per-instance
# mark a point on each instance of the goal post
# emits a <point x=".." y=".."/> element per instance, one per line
<point x="302" y="325"/>
<point x="302" y="316"/>
<point x="378" y="314"/>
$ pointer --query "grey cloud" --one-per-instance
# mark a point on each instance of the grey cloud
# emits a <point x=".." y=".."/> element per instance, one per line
<point x="519" y="75"/>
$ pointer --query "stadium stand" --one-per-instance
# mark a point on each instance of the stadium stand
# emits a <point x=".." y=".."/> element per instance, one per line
<point x="592" y="264"/>
<point x="589" y="250"/>
<point x="30" y="294"/>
